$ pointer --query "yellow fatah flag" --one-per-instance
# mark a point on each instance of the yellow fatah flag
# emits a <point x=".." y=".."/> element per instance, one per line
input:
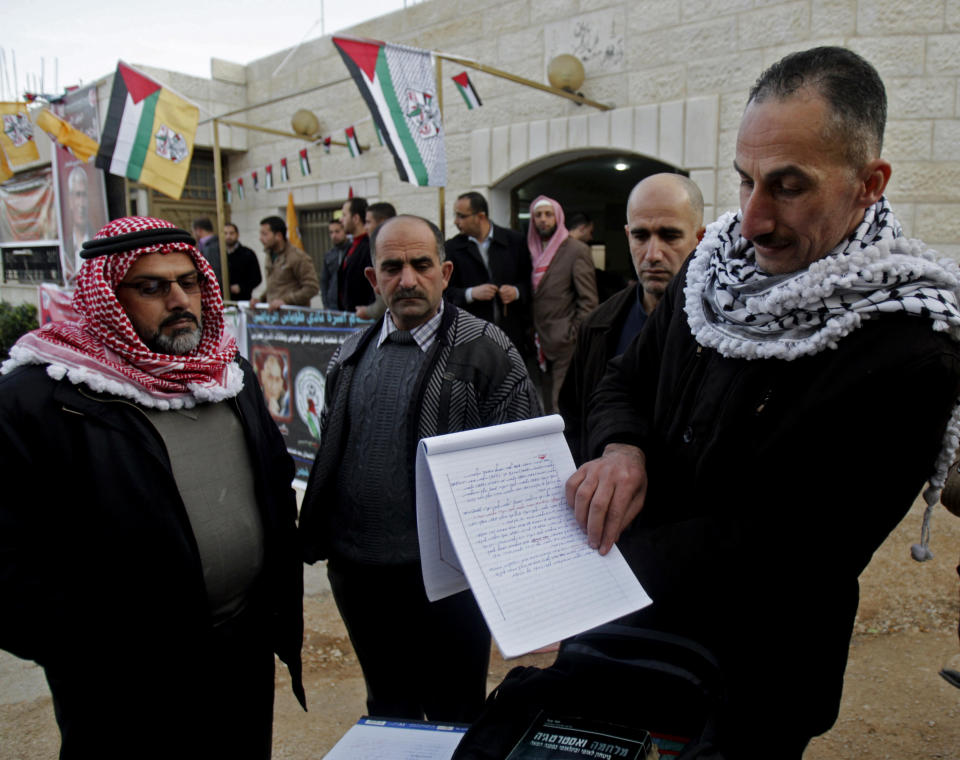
<point x="5" y="171"/>
<point x="82" y="146"/>
<point x="16" y="134"/>
<point x="293" y="234"/>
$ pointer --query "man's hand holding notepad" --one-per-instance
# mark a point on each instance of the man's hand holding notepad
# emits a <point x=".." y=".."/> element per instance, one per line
<point x="492" y="516"/>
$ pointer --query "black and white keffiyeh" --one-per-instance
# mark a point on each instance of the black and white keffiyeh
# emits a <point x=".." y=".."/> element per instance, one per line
<point x="742" y="312"/>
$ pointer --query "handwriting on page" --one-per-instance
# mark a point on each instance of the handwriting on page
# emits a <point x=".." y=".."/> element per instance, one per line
<point x="519" y="524"/>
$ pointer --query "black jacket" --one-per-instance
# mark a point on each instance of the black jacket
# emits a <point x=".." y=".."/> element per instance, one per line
<point x="473" y="377"/>
<point x="509" y="265"/>
<point x="597" y="342"/>
<point x="771" y="484"/>
<point x="354" y="287"/>
<point x="100" y="576"/>
<point x="244" y="271"/>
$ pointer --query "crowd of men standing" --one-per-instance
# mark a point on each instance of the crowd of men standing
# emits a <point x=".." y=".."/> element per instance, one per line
<point x="770" y="394"/>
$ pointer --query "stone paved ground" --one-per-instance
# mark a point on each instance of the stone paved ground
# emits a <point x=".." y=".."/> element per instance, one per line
<point x="894" y="705"/>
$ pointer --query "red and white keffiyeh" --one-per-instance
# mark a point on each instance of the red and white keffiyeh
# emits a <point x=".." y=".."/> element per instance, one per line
<point x="542" y="255"/>
<point x="103" y="351"/>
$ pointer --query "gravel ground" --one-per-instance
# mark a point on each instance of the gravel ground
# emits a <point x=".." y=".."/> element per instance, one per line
<point x="894" y="703"/>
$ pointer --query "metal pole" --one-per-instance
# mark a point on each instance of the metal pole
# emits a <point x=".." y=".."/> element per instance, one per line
<point x="218" y="181"/>
<point x="575" y="97"/>
<point x="441" y="191"/>
<point x="278" y="99"/>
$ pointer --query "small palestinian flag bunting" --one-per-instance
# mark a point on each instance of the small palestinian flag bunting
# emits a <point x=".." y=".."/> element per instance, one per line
<point x="352" y="143"/>
<point x="268" y="177"/>
<point x="284" y="174"/>
<point x="326" y="144"/>
<point x="465" y="86"/>
<point x="240" y="188"/>
<point x="229" y="193"/>
<point x="256" y="183"/>
<point x="304" y="163"/>
<point x="350" y="191"/>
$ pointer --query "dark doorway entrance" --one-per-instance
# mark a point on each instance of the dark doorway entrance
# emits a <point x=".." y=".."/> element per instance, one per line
<point x="597" y="186"/>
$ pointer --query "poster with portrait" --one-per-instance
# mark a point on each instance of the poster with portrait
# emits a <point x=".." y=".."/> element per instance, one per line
<point x="81" y="190"/>
<point x="290" y="349"/>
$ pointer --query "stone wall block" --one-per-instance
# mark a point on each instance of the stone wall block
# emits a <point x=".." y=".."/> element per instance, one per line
<point x="480" y="157"/>
<point x="731" y="73"/>
<point x="621" y="128"/>
<point x="518" y="144"/>
<point x="557" y="135"/>
<point x="925" y="182"/>
<point x="577" y="136"/>
<point x="776" y="25"/>
<point x="946" y="140"/>
<point x="646" y="130"/>
<point x="698" y="10"/>
<point x="499" y="152"/>
<point x="670" y="148"/>
<point x="519" y="45"/>
<point x="706" y="180"/>
<point x="889" y="16"/>
<point x="507" y="17"/>
<point x="538" y="138"/>
<point x="832" y="17"/>
<point x="943" y="54"/>
<point x="915" y="98"/>
<point x="700" y="134"/>
<point x="953" y="15"/>
<point x="938" y="222"/>
<point x="598" y="129"/>
<point x="901" y="55"/>
<point x="655" y="85"/>
<point x="646" y="15"/>
<point x="908" y="140"/>
<point x="688" y="42"/>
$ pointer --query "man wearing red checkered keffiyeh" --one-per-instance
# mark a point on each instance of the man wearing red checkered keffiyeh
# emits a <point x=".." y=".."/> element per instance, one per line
<point x="103" y="349"/>
<point x="148" y="551"/>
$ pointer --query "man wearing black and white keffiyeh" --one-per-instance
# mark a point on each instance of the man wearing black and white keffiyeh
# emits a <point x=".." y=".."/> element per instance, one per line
<point x="793" y="392"/>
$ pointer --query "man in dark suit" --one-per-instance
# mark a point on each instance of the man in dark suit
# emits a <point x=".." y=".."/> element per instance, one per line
<point x="491" y="270"/>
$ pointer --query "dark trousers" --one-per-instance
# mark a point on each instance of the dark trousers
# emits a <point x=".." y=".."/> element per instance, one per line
<point x="208" y="698"/>
<point x="419" y="658"/>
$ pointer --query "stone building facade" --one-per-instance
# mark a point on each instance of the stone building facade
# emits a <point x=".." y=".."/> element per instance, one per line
<point x="676" y="72"/>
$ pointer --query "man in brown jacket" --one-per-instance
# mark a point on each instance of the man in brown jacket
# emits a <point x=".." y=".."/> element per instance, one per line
<point x="564" y="292"/>
<point x="291" y="276"/>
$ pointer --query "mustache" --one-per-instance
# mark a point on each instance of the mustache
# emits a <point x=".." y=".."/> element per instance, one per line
<point x="179" y="315"/>
<point x="408" y="293"/>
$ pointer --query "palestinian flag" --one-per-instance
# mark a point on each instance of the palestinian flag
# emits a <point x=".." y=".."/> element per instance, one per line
<point x="268" y="176"/>
<point x="379" y="136"/>
<point x="326" y="144"/>
<point x="304" y="163"/>
<point x="256" y="183"/>
<point x="465" y="87"/>
<point x="355" y="149"/>
<point x="229" y="193"/>
<point x="16" y="135"/>
<point x="240" y="188"/>
<point x="284" y="174"/>
<point x="149" y="133"/>
<point x="399" y="87"/>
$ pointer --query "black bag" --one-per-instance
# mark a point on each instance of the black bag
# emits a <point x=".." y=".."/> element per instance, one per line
<point x="626" y="676"/>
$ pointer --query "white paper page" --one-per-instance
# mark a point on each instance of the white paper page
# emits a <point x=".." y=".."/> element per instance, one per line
<point x="533" y="574"/>
<point x="373" y="739"/>
<point x="442" y="573"/>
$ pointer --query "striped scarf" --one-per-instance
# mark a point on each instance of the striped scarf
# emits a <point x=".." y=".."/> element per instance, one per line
<point x="738" y="310"/>
<point x="103" y="351"/>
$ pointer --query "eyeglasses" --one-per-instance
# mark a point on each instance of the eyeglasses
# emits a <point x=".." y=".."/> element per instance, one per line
<point x="157" y="287"/>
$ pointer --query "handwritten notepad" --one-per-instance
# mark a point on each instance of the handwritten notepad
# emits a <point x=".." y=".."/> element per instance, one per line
<point x="493" y="517"/>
